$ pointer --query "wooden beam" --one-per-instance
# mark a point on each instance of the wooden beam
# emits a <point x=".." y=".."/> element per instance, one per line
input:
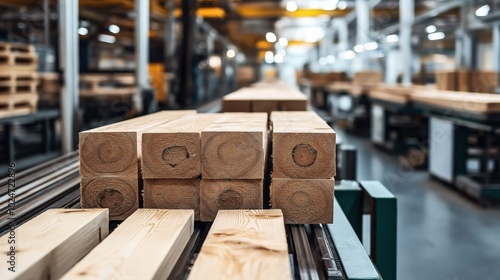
<point x="173" y="150"/>
<point x="304" y="201"/>
<point x="303" y="146"/>
<point x="234" y="147"/>
<point x="50" y="244"/>
<point x="244" y="244"/>
<point x="145" y="246"/>
<point x="173" y="194"/>
<point x="115" y="149"/>
<point x="218" y="195"/>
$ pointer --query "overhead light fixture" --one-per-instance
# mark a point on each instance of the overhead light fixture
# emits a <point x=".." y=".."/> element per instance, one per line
<point x="106" y="38"/>
<point x="83" y="31"/>
<point x="359" y="48"/>
<point x="278" y="58"/>
<point x="431" y="29"/>
<point x="330" y="59"/>
<point x="347" y="55"/>
<point x="330" y="5"/>
<point x="214" y="61"/>
<point x="436" y="36"/>
<point x="291" y="6"/>
<point x="392" y="38"/>
<point x="483" y="11"/>
<point x="269" y="57"/>
<point x="271" y="37"/>
<point x="342" y="5"/>
<point x="113" y="28"/>
<point x="370" y="46"/>
<point x="231" y="53"/>
<point x="283" y="41"/>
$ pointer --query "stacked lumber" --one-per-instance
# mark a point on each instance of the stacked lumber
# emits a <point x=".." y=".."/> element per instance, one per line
<point x="233" y="164"/>
<point x="50" y="88"/>
<point x="18" y="79"/>
<point x="396" y="93"/>
<point x="47" y="246"/>
<point x="244" y="244"/>
<point x="321" y="79"/>
<point x="265" y="97"/>
<point x="367" y="78"/>
<point x="303" y="167"/>
<point x="147" y="245"/>
<point x="101" y="84"/>
<point x="171" y="163"/>
<point x="459" y="101"/>
<point x="362" y="83"/>
<point x="110" y="163"/>
<point x="467" y="81"/>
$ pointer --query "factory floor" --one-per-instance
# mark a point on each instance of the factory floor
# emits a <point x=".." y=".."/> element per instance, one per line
<point x="441" y="234"/>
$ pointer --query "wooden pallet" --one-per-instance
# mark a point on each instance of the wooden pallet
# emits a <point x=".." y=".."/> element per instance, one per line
<point x="50" y="83"/>
<point x="14" y="56"/>
<point x="18" y="104"/>
<point x="92" y="85"/>
<point x="8" y="48"/>
<point x="18" y="82"/>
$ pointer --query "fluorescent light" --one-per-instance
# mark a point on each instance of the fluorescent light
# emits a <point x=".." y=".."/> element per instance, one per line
<point x="330" y="5"/>
<point x="330" y="59"/>
<point x="271" y="37"/>
<point x="431" y="29"/>
<point x="342" y="5"/>
<point x="322" y="61"/>
<point x="278" y="58"/>
<point x="371" y="46"/>
<point x="106" y="38"/>
<point x="359" y="48"/>
<point x="291" y="6"/>
<point x="269" y="57"/>
<point x="83" y="31"/>
<point x="436" y="36"/>
<point x="113" y="28"/>
<point x="483" y="11"/>
<point x="348" y="55"/>
<point x="231" y="53"/>
<point x="392" y="38"/>
<point x="283" y="41"/>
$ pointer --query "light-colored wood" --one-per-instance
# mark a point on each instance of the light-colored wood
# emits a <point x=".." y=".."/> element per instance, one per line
<point x="459" y="101"/>
<point x="51" y="243"/>
<point x="395" y="94"/>
<point x="145" y="246"/>
<point x="446" y="80"/>
<point x="303" y="146"/>
<point x="173" y="150"/>
<point x="173" y="194"/>
<point x="119" y="194"/>
<point x="304" y="201"/>
<point x="483" y="81"/>
<point x="116" y="149"/>
<point x="367" y="78"/>
<point x="244" y="244"/>
<point x="234" y="147"/>
<point x="218" y="195"/>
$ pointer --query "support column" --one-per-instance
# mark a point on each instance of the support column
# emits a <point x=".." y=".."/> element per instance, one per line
<point x="141" y="50"/>
<point x="68" y="59"/>
<point x="496" y="40"/>
<point x="183" y="97"/>
<point x="362" y="33"/>
<point x="407" y="16"/>
<point x="46" y="35"/>
<point x="170" y="36"/>
<point x="465" y="43"/>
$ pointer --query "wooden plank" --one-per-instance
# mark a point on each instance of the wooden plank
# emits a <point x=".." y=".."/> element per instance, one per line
<point x="50" y="244"/>
<point x="293" y="105"/>
<point x="173" y="194"/>
<point x="115" y="149"/>
<point x="244" y="244"/>
<point x="483" y="81"/>
<point x="234" y="147"/>
<point x="304" y="201"/>
<point x="303" y="146"/>
<point x="265" y="106"/>
<point x="236" y="106"/>
<point x="446" y="80"/>
<point x="173" y="150"/>
<point x="459" y="101"/>
<point x="145" y="246"/>
<point x="119" y="194"/>
<point x="218" y="195"/>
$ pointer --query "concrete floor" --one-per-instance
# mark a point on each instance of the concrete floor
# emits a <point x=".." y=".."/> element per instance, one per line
<point x="441" y="234"/>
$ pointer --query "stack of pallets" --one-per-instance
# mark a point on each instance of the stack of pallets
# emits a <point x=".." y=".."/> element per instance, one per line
<point x="49" y="88"/>
<point x="18" y="79"/>
<point x="106" y="85"/>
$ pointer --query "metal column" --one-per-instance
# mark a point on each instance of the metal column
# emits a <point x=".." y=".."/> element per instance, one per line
<point x="68" y="45"/>
<point x="407" y="12"/>
<point x="362" y="32"/>
<point x="183" y="97"/>
<point x="141" y="50"/>
<point x="170" y="36"/>
<point x="46" y="35"/>
<point x="465" y="52"/>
